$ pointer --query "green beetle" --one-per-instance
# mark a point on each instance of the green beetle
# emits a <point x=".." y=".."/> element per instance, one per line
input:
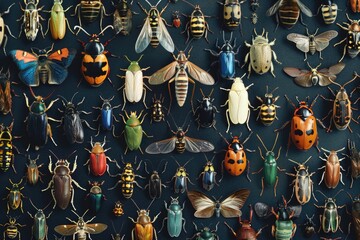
<point x="133" y="131"/>
<point x="175" y="220"/>
<point x="205" y="233"/>
<point x="270" y="167"/>
<point x="57" y="22"/>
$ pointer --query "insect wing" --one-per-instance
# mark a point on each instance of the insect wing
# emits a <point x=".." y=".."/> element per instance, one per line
<point x="58" y="63"/>
<point x="302" y="41"/>
<point x="95" y="228"/>
<point x="330" y="73"/>
<point x="143" y="39"/>
<point x="7" y="98"/>
<point x="199" y="74"/>
<point x="272" y="10"/>
<point x="304" y="9"/>
<point x="296" y="210"/>
<point x="322" y="40"/>
<point x="27" y="64"/>
<point x="164" y="37"/>
<point x="163" y="74"/>
<point x="164" y="146"/>
<point x="203" y="205"/>
<point x="66" y="230"/>
<point x="197" y="145"/>
<point x="262" y="210"/>
<point x="301" y="77"/>
<point x="231" y="206"/>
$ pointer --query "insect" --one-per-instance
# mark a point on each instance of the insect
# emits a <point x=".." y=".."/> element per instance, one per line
<point x="3" y="36"/>
<point x="205" y="112"/>
<point x="177" y="72"/>
<point x="309" y="229"/>
<point x="355" y="161"/>
<point x="342" y="112"/>
<point x="312" y="42"/>
<point x="106" y="115"/>
<point x="57" y="22"/>
<point x="355" y="213"/>
<point x="95" y="66"/>
<point x="40" y="227"/>
<point x="254" y="18"/>
<point x="181" y="178"/>
<point x="46" y="66"/>
<point x="329" y="11"/>
<point x="270" y="167"/>
<point x="288" y="12"/>
<point x="12" y="229"/>
<point x="238" y="103"/>
<point x="122" y="18"/>
<point x="61" y="183"/>
<point x="118" y="210"/>
<point x="267" y="109"/>
<point x="228" y="208"/>
<point x="354" y="5"/>
<point x="232" y="14"/>
<point x="157" y="113"/>
<point x="89" y="10"/>
<point x="306" y="78"/>
<point x="31" y="19"/>
<point x="226" y="55"/>
<point x="15" y="196"/>
<point x="154" y="30"/>
<point x="197" y="25"/>
<point x="206" y="233"/>
<point x="180" y="142"/>
<point x="6" y="148"/>
<point x="332" y="168"/>
<point x="260" y="54"/>
<point x="155" y="184"/>
<point x="352" y="46"/>
<point x="176" y="21"/>
<point x="33" y="174"/>
<point x="37" y="122"/>
<point x="174" y="218"/>
<point x="134" y="87"/>
<point x="5" y="93"/>
<point x="303" y="131"/>
<point x="80" y="228"/>
<point x="208" y="175"/>
<point x="330" y="219"/>
<point x="95" y="196"/>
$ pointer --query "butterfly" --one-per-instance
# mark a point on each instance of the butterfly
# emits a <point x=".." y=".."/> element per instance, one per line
<point x="45" y="66"/>
<point x="229" y="207"/>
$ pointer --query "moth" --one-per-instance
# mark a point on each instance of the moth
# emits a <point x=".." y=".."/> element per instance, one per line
<point x="312" y="42"/>
<point x="308" y="78"/>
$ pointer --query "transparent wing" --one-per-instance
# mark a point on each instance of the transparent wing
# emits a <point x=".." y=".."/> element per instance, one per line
<point x="163" y="74"/>
<point x="322" y="40"/>
<point x="295" y="209"/>
<point x="231" y="206"/>
<point x="203" y="205"/>
<point x="164" y="146"/>
<point x="197" y="145"/>
<point x="199" y="74"/>
<point x="262" y="210"/>
<point x="143" y="39"/>
<point x="66" y="230"/>
<point x="272" y="10"/>
<point x="329" y="73"/>
<point x="164" y="37"/>
<point x="304" y="9"/>
<point x="302" y="41"/>
<point x="95" y="228"/>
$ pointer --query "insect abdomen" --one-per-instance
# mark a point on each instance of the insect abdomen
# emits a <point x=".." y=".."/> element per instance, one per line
<point x="43" y="74"/>
<point x="197" y="26"/>
<point x="90" y="11"/>
<point x="181" y="86"/>
<point x="154" y="22"/>
<point x="329" y="13"/>
<point x="289" y="14"/>
<point x="267" y="114"/>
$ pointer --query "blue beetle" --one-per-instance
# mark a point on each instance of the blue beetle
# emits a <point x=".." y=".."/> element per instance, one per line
<point x="95" y="195"/>
<point x="226" y="57"/>
<point x="181" y="178"/>
<point x="40" y="228"/>
<point x="107" y="115"/>
<point x="208" y="175"/>
<point x="174" y="218"/>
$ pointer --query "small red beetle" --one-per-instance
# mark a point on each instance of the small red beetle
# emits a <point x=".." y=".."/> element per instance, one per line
<point x="332" y="174"/>
<point x="176" y="19"/>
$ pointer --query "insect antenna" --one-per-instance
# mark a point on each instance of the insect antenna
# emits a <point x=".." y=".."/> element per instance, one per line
<point x="189" y="3"/>
<point x="80" y="28"/>
<point x="46" y="206"/>
<point x="150" y="204"/>
<point x="350" y="196"/>
<point x="140" y="57"/>
<point x="135" y="204"/>
<point x="322" y="193"/>
<point x="51" y="48"/>
<point x="33" y="204"/>
<point x="108" y="26"/>
<point x="274" y="90"/>
<point x="76" y="213"/>
<point x="72" y="98"/>
<point x="338" y="193"/>
<point x="355" y="77"/>
<point x="149" y="3"/>
<point x="247" y="139"/>
<point x="202" y="93"/>
<point x="70" y="154"/>
<point x="306" y="160"/>
<point x="187" y="162"/>
<point x="263" y="142"/>
<point x="276" y="138"/>
<point x="64" y="101"/>
<point x="54" y="155"/>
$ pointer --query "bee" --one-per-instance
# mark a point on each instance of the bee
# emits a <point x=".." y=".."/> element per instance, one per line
<point x="154" y="30"/>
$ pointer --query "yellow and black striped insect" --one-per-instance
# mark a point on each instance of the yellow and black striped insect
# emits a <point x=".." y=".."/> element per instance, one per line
<point x="267" y="112"/>
<point x="232" y="14"/>
<point x="329" y="11"/>
<point x="11" y="229"/>
<point x="122" y="18"/>
<point x="6" y="148"/>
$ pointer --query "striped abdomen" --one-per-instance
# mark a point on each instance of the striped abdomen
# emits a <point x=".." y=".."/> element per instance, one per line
<point x="312" y="48"/>
<point x="289" y="14"/>
<point x="154" y="23"/>
<point x="329" y="13"/>
<point x="267" y="114"/>
<point x="11" y="232"/>
<point x="197" y="26"/>
<point x="180" y="145"/>
<point x="43" y="72"/>
<point x="181" y="86"/>
<point x="90" y="10"/>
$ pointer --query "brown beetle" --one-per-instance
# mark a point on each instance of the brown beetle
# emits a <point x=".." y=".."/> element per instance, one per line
<point x="14" y="196"/>
<point x="354" y="5"/>
<point x="33" y="175"/>
<point x="332" y="172"/>
<point x="355" y="161"/>
<point x="62" y="190"/>
<point x="355" y="213"/>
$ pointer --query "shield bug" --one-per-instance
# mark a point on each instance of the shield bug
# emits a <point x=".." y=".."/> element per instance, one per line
<point x="95" y="66"/>
<point x="261" y="54"/>
<point x="12" y="229"/>
<point x="6" y="148"/>
<point x="134" y="87"/>
<point x="232" y="14"/>
<point x="122" y="17"/>
<point x="205" y="112"/>
<point x="3" y="36"/>
<point x="118" y="210"/>
<point x="155" y="184"/>
<point x="61" y="184"/>
<point x="238" y="103"/>
<point x="309" y="229"/>
<point x="5" y="93"/>
<point x="14" y="198"/>
<point x="267" y="109"/>
<point x="174" y="218"/>
<point x="205" y="233"/>
<point x="332" y="173"/>
<point x="208" y="175"/>
<point x="181" y="178"/>
<point x="303" y="186"/>
<point x="354" y="156"/>
<point x="95" y="196"/>
<point x="57" y="22"/>
<point x="157" y="106"/>
<point x="33" y="175"/>
<point x="329" y="11"/>
<point x="40" y="227"/>
<point x="106" y="115"/>
<point x="176" y="21"/>
<point x="31" y="19"/>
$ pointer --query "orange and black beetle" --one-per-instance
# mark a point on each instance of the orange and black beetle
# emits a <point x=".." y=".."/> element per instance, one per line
<point x="303" y="132"/>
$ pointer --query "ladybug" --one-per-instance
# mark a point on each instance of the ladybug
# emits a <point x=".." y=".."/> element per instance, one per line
<point x="235" y="161"/>
<point x="176" y="19"/>
<point x="303" y="130"/>
<point x="118" y="210"/>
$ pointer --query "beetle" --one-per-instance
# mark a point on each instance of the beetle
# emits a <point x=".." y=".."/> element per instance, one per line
<point x="270" y="167"/>
<point x="332" y="172"/>
<point x="5" y="92"/>
<point x="355" y="213"/>
<point x="127" y="179"/>
<point x="246" y="231"/>
<point x="330" y="219"/>
<point x="355" y="161"/>
<point x="3" y="36"/>
<point x="232" y="14"/>
<point x="267" y="109"/>
<point x="329" y="11"/>
<point x="6" y="148"/>
<point x="227" y="57"/>
<point x="31" y="19"/>
<point x="303" y="130"/>
<point x="12" y="229"/>
<point x="57" y="22"/>
<point x="206" y="233"/>
<point x="95" y="66"/>
<point x="181" y="178"/>
<point x="61" y="183"/>
<point x="37" y="122"/>
<point x="176" y="21"/>
<point x="134" y="87"/>
<point x="260" y="54"/>
<point x="208" y="175"/>
<point x="303" y="186"/>
<point x="354" y="5"/>
<point x="157" y="113"/>
<point x="342" y="110"/>
<point x="238" y="103"/>
<point x="95" y="195"/>
<point x="155" y="184"/>
<point x="122" y="17"/>
<point x="205" y="112"/>
<point x="89" y="10"/>
<point x="118" y="211"/>
<point x="14" y="198"/>
<point x="144" y="229"/>
<point x="106" y="115"/>
<point x="175" y="220"/>
<point x="309" y="229"/>
<point x="72" y="121"/>
<point x="40" y="227"/>
<point x="33" y="175"/>
<point x="235" y="161"/>
<point x="97" y="162"/>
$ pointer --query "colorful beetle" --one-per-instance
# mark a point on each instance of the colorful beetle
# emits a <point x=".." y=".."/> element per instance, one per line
<point x="6" y="148"/>
<point x="11" y="229"/>
<point x="329" y="11"/>
<point x="175" y="220"/>
<point x="14" y="196"/>
<point x="89" y="10"/>
<point x="118" y="211"/>
<point x="332" y="167"/>
<point x="208" y="175"/>
<point x="3" y="36"/>
<point x="303" y="130"/>
<point x="33" y="175"/>
<point x="176" y="21"/>
<point x="157" y="113"/>
<point x="181" y="178"/>
<point x="122" y="18"/>
<point x="97" y="164"/>
<point x="155" y="184"/>
<point x="206" y="233"/>
<point x="40" y="227"/>
<point x="95" y="196"/>
<point x="57" y="22"/>
<point x="95" y="65"/>
<point x="106" y="115"/>
<point x="354" y="5"/>
<point x="355" y="161"/>
<point x="267" y="109"/>
<point x="232" y="14"/>
<point x="205" y="112"/>
<point x="31" y="19"/>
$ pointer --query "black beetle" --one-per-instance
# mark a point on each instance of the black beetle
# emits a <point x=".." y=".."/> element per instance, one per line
<point x="155" y="184"/>
<point x="355" y="213"/>
<point x="205" y="112"/>
<point x="309" y="229"/>
<point x="157" y="113"/>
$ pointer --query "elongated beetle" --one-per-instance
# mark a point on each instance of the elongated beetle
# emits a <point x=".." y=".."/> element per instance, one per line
<point x="355" y="161"/>
<point x="33" y="175"/>
<point x="106" y="115"/>
<point x="332" y="172"/>
<point x="3" y="36"/>
<point x="155" y="184"/>
<point x="208" y="175"/>
<point x="181" y="178"/>
<point x="175" y="220"/>
<point x="31" y="19"/>
<point x="40" y="227"/>
<point x="15" y="196"/>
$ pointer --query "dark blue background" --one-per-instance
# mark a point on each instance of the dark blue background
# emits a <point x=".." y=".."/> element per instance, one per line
<point x="157" y="58"/>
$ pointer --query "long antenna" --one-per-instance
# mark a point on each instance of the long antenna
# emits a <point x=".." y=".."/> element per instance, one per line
<point x="262" y="142"/>
<point x="135" y="204"/>
<point x="276" y="138"/>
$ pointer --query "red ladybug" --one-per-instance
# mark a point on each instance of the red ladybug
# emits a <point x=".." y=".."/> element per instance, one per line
<point x="176" y="19"/>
